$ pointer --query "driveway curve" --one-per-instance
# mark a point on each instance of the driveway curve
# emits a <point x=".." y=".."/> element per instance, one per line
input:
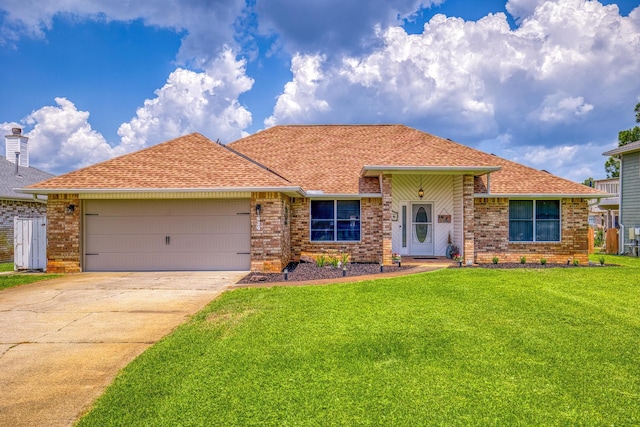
<point x="62" y="341"/>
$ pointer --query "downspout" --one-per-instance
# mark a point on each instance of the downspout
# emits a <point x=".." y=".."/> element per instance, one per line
<point x="622" y="234"/>
<point x="489" y="183"/>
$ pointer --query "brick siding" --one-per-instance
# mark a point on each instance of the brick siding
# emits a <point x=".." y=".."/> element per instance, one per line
<point x="63" y="234"/>
<point x="369" y="249"/>
<point x="9" y="209"/>
<point x="492" y="234"/>
<point x="271" y="244"/>
<point x="469" y="226"/>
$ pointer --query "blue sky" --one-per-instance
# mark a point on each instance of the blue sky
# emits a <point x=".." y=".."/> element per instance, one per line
<point x="545" y="83"/>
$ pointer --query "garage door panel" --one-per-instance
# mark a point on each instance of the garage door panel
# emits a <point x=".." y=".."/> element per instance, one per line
<point x="149" y="262"/>
<point x="156" y="243"/>
<point x="148" y="208"/>
<point x="167" y="235"/>
<point x="99" y="224"/>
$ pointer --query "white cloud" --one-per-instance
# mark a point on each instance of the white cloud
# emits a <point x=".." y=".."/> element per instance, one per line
<point x="574" y="162"/>
<point x="570" y="67"/>
<point x="205" y="102"/>
<point x="332" y="25"/>
<point x="208" y="23"/>
<point x="61" y="138"/>
<point x="299" y="100"/>
<point x="521" y="9"/>
<point x="561" y="108"/>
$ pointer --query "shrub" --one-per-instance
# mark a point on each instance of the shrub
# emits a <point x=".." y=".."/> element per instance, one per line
<point x="576" y="262"/>
<point x="523" y="260"/>
<point x="601" y="259"/>
<point x="599" y="238"/>
<point x="345" y="257"/>
<point x="543" y="261"/>
<point x="334" y="261"/>
<point x="321" y="260"/>
<point x="495" y="260"/>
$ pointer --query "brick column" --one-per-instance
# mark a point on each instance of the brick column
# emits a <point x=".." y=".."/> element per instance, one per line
<point x="63" y="233"/>
<point x="468" y="238"/>
<point x="271" y="237"/>
<point x="385" y="184"/>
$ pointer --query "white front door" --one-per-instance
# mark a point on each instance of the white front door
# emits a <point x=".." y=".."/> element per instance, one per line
<point x="422" y="229"/>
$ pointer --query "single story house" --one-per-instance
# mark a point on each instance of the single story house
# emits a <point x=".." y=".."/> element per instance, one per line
<point x="264" y="200"/>
<point x="15" y="172"/>
<point x="629" y="198"/>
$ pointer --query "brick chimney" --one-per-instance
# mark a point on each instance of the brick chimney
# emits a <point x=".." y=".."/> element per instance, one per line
<point x="17" y="143"/>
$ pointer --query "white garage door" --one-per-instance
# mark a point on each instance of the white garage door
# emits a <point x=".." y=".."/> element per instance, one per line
<point x="148" y="235"/>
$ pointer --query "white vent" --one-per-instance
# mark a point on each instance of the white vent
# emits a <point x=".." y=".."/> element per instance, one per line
<point x="17" y="143"/>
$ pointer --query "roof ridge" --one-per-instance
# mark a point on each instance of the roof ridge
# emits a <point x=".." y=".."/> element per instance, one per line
<point x="244" y="156"/>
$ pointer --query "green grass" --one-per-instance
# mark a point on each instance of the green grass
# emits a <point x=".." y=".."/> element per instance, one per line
<point x="11" y="280"/>
<point x="453" y="347"/>
<point x="6" y="266"/>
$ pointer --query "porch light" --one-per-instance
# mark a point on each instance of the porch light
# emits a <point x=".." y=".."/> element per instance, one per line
<point x="421" y="193"/>
<point x="71" y="208"/>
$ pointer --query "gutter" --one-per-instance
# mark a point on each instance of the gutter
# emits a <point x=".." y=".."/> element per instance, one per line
<point x="375" y="170"/>
<point x="293" y="189"/>
<point x="542" y="196"/>
<point x="36" y="191"/>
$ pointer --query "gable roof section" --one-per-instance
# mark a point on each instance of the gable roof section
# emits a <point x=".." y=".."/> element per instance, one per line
<point x="10" y="181"/>
<point x="625" y="149"/>
<point x="191" y="162"/>
<point x="337" y="159"/>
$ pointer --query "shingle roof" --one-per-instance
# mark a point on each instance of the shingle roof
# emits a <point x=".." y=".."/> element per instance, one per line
<point x="9" y="180"/>
<point x="189" y="162"/>
<point x="327" y="158"/>
<point x="630" y="147"/>
<point x="331" y="157"/>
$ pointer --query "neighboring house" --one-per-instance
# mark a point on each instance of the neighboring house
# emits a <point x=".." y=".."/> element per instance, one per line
<point x="603" y="213"/>
<point x="629" y="208"/>
<point x="12" y="177"/>
<point x="265" y="200"/>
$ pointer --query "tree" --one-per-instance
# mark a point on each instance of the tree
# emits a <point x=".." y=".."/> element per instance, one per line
<point x="612" y="166"/>
<point x="589" y="182"/>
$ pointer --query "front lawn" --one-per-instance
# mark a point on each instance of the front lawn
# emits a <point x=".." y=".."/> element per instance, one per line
<point x="6" y="266"/>
<point x="452" y="347"/>
<point x="11" y="280"/>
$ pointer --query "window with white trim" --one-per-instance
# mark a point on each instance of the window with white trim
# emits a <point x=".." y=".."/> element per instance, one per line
<point x="534" y="220"/>
<point x="335" y="220"/>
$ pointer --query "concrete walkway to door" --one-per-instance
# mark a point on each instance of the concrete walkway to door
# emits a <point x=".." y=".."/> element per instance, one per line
<point x="62" y="341"/>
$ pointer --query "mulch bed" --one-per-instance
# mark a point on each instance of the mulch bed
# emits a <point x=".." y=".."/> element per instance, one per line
<point x="304" y="271"/>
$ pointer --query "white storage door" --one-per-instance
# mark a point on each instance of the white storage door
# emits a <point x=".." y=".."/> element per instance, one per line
<point x="155" y="235"/>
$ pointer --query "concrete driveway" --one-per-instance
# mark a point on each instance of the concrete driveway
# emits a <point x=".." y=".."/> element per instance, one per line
<point x="62" y="341"/>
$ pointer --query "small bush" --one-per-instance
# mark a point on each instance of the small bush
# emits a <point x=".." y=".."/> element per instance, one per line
<point x="601" y="259"/>
<point x="543" y="261"/>
<point x="576" y="262"/>
<point x="321" y="260"/>
<point x="523" y="260"/>
<point x="345" y="257"/>
<point x="495" y="260"/>
<point x="334" y="261"/>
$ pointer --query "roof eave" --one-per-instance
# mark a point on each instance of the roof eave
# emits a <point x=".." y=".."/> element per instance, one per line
<point x="321" y="195"/>
<point x="631" y="147"/>
<point x="295" y="191"/>
<point x="541" y="195"/>
<point x="375" y="170"/>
